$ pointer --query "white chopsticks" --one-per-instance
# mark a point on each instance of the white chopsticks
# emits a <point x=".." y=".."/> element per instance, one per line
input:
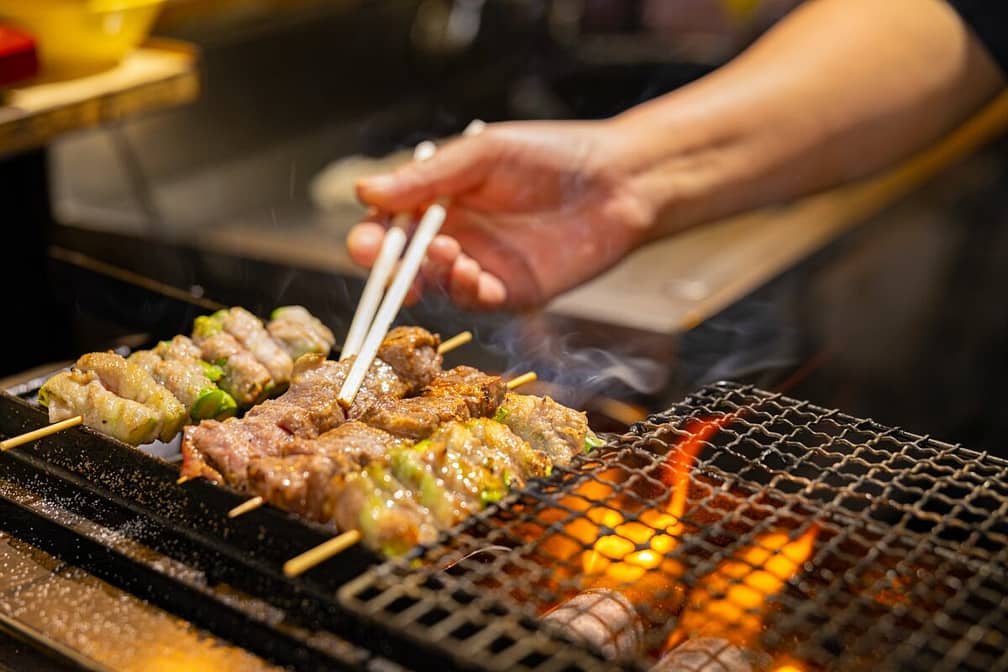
<point x="365" y="347"/>
<point x="392" y="247"/>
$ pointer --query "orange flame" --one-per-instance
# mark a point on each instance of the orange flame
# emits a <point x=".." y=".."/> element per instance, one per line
<point x="731" y="602"/>
<point x="628" y="550"/>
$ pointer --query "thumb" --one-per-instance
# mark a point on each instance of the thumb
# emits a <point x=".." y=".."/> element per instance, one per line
<point x="457" y="167"/>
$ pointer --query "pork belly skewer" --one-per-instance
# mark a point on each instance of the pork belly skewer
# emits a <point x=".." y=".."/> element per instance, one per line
<point x="255" y="502"/>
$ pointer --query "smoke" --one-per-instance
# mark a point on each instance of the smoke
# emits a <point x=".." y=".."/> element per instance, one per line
<point x="581" y="364"/>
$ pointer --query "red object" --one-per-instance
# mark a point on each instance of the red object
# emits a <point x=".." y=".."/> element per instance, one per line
<point x="18" y="56"/>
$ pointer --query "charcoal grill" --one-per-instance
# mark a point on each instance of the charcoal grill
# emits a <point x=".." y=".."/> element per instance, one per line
<point x="907" y="568"/>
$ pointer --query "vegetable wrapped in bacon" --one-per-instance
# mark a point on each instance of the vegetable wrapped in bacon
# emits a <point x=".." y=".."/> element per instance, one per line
<point x="190" y="379"/>
<point x="559" y="431"/>
<point x="76" y="392"/>
<point x="244" y="377"/>
<point x="251" y="333"/>
<point x="299" y="332"/>
<point x="133" y="382"/>
<point x="463" y="466"/>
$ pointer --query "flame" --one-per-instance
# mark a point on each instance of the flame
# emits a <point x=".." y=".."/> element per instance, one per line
<point x="731" y="602"/>
<point x="625" y="552"/>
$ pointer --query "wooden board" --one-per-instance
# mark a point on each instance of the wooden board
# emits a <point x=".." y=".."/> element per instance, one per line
<point x="158" y="74"/>
<point x="674" y="284"/>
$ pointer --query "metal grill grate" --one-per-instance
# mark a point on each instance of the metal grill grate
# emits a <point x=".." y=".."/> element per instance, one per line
<point x="799" y="538"/>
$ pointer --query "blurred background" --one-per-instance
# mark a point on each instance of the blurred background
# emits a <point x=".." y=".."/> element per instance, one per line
<point x="208" y="154"/>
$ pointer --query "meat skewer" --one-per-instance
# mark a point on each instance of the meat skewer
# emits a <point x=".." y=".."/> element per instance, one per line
<point x="221" y="451"/>
<point x="118" y="397"/>
<point x="450" y="344"/>
<point x="419" y="471"/>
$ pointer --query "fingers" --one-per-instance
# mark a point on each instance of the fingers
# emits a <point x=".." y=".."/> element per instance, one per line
<point x="364" y="242"/>
<point x="458" y="166"/>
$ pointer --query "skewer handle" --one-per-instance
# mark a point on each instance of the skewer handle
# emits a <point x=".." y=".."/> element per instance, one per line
<point x="456" y="341"/>
<point x="524" y="378"/>
<point x="246" y="506"/>
<point x="39" y="433"/>
<point x="321" y="553"/>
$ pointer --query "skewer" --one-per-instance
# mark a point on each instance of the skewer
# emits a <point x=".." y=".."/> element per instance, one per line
<point x="454" y="342"/>
<point x="429" y="226"/>
<point x="522" y="380"/>
<point x="338" y="544"/>
<point x="253" y="503"/>
<point x="320" y="553"/>
<point x="39" y="433"/>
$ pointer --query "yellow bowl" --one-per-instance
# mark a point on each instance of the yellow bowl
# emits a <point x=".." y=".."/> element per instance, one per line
<point x="83" y="34"/>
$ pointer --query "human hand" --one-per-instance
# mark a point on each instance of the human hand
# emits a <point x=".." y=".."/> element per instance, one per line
<point x="536" y="208"/>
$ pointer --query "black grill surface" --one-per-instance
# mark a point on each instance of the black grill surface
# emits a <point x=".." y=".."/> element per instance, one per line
<point x="807" y="540"/>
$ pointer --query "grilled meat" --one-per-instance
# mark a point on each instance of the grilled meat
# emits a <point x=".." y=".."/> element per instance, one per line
<point x="306" y="410"/>
<point x="385" y="512"/>
<point x="412" y="352"/>
<point x="77" y="392"/>
<point x="253" y="336"/>
<point x="463" y="466"/>
<point x="298" y="479"/>
<point x="244" y="378"/>
<point x="557" y="430"/>
<point x="190" y="381"/>
<point x="299" y="332"/>
<point x="132" y="382"/>
<point x="458" y="394"/>
<point x="179" y="347"/>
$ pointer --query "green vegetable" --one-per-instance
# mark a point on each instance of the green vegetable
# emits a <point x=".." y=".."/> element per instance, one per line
<point x="592" y="441"/>
<point x="501" y="414"/>
<point x="213" y="403"/>
<point x="213" y="371"/>
<point x="205" y="327"/>
<point x="43" y="397"/>
<point x="492" y="495"/>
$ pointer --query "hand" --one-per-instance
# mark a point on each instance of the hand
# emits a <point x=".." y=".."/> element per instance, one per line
<point x="536" y="208"/>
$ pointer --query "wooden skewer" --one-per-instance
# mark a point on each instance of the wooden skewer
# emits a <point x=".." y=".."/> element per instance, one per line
<point x="455" y="341"/>
<point x="39" y="433"/>
<point x="246" y="506"/>
<point x="522" y="380"/>
<point x="320" y="553"/>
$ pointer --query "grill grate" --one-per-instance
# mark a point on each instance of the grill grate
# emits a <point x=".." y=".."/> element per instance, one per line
<point x="798" y="538"/>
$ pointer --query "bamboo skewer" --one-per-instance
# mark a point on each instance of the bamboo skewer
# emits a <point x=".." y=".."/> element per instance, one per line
<point x="340" y="543"/>
<point x="322" y="552"/>
<point x="40" y="433"/>
<point x="455" y="341"/>
<point x="253" y="503"/>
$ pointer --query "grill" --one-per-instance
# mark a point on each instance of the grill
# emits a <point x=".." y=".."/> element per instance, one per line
<point x="802" y="539"/>
<point x="739" y="530"/>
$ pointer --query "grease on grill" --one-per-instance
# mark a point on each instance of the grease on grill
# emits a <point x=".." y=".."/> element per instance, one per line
<point x="739" y="530"/>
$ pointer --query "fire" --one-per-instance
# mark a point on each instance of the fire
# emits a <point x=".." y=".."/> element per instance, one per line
<point x="627" y="551"/>
<point x="731" y="602"/>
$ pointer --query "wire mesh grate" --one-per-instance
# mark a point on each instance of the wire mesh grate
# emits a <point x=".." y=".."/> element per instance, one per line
<point x="739" y="530"/>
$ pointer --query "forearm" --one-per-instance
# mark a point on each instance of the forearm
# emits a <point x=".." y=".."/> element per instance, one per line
<point x="839" y="89"/>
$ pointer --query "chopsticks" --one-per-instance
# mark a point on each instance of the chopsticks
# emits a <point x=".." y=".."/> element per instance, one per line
<point x="392" y="301"/>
